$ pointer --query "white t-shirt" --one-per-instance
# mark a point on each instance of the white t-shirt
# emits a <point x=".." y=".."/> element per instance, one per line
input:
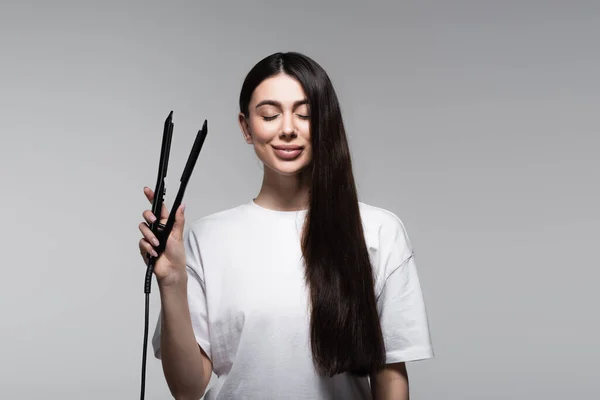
<point x="249" y="303"/>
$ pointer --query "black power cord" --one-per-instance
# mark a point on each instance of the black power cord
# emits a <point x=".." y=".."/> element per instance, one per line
<point x="145" y="349"/>
<point x="147" y="290"/>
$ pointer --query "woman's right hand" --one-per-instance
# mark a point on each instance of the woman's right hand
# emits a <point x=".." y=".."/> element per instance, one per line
<point x="170" y="267"/>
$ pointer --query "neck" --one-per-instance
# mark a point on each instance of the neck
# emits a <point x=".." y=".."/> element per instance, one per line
<point x="284" y="193"/>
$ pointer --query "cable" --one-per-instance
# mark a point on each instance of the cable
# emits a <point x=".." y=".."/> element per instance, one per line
<point x="147" y="288"/>
<point x="145" y="348"/>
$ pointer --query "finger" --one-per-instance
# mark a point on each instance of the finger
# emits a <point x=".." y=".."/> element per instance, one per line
<point x="145" y="257"/>
<point x="148" y="235"/>
<point x="147" y="249"/>
<point x="150" y="196"/>
<point x="178" y="225"/>
<point x="149" y="217"/>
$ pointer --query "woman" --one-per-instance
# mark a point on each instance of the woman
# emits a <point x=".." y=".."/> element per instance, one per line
<point x="303" y="292"/>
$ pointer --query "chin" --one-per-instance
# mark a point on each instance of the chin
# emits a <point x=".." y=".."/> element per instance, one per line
<point x="288" y="169"/>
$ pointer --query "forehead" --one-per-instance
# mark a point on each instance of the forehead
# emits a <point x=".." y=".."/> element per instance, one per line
<point x="282" y="88"/>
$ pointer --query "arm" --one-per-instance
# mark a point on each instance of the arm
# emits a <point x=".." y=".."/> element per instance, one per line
<point x="391" y="383"/>
<point x="186" y="367"/>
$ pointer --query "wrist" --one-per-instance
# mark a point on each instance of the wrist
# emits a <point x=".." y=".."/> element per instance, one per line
<point x="173" y="282"/>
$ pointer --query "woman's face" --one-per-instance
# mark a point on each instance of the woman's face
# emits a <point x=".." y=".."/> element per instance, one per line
<point x="278" y="125"/>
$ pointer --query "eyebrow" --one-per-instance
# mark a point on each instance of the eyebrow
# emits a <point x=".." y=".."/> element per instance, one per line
<point x="278" y="104"/>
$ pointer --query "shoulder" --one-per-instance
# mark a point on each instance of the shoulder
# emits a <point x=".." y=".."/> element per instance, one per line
<point x="386" y="224"/>
<point x="211" y="234"/>
<point x="387" y="239"/>
<point x="378" y="215"/>
<point x="219" y="221"/>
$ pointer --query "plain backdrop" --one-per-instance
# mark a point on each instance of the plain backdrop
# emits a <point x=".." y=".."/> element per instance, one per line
<point x="476" y="122"/>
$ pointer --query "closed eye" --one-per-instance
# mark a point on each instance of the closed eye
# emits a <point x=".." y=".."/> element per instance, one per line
<point x="271" y="118"/>
<point x="303" y="116"/>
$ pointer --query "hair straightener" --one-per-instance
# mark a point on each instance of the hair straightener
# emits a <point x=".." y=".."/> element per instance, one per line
<point x="162" y="231"/>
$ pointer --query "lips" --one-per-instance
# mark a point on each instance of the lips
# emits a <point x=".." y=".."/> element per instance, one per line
<point x="287" y="147"/>
<point x="288" y="152"/>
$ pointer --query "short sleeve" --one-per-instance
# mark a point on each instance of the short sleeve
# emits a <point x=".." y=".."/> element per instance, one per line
<point x="196" y="294"/>
<point x="403" y="315"/>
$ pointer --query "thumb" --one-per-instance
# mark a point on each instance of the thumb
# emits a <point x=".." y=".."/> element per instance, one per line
<point x="179" y="223"/>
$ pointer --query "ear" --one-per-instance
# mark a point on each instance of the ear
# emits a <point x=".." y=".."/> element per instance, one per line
<point x="245" y="128"/>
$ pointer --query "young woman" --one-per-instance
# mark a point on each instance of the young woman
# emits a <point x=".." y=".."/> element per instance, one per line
<point x="303" y="292"/>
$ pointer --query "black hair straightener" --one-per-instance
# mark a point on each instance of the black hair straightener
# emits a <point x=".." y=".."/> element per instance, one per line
<point x="162" y="231"/>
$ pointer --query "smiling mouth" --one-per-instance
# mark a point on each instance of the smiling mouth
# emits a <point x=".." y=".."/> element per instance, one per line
<point x="288" y="153"/>
<point x="288" y="148"/>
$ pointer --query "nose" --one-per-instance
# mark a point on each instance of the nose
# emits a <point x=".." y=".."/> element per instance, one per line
<point x="288" y="129"/>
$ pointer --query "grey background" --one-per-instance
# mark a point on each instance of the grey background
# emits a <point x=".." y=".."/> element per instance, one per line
<point x="475" y="122"/>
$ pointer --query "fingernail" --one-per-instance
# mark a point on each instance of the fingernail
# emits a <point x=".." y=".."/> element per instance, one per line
<point x="152" y="218"/>
<point x="155" y="241"/>
<point x="154" y="253"/>
<point x="183" y="208"/>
